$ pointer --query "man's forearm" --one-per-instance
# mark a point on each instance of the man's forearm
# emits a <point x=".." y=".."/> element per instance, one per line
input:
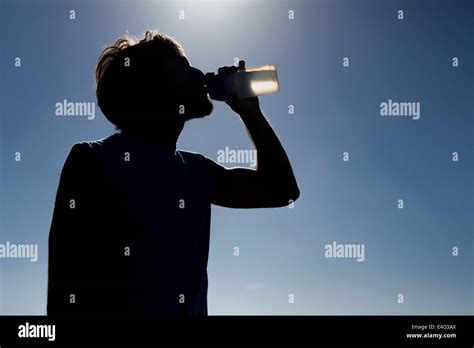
<point x="272" y="161"/>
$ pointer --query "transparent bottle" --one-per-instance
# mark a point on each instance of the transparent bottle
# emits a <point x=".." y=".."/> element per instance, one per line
<point x="245" y="83"/>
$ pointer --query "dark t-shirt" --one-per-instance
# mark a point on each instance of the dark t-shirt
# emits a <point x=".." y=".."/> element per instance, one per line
<point x="130" y="231"/>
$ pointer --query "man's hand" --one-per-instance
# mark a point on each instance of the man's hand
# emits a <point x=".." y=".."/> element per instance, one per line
<point x="240" y="106"/>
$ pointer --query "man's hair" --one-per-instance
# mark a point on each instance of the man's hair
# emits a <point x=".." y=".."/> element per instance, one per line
<point x="130" y="79"/>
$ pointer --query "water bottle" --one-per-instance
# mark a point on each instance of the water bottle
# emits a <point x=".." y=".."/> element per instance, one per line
<point x="245" y="83"/>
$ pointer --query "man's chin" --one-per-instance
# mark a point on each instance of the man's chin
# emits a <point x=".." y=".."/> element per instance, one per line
<point x="208" y="106"/>
<point x="202" y="109"/>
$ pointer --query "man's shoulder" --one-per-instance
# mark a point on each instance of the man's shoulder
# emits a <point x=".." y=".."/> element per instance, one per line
<point x="193" y="158"/>
<point x="190" y="154"/>
<point x="102" y="147"/>
<point x="87" y="153"/>
<point x="87" y="148"/>
<point x="92" y="145"/>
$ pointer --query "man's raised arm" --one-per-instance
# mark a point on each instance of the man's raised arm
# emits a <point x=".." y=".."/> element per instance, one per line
<point x="272" y="183"/>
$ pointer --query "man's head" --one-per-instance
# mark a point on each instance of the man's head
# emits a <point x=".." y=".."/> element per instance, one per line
<point x="149" y="85"/>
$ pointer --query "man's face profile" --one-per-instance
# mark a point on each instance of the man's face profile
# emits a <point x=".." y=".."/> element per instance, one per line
<point x="185" y="84"/>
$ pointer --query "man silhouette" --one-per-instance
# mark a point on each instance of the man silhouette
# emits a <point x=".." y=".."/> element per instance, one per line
<point x="131" y="222"/>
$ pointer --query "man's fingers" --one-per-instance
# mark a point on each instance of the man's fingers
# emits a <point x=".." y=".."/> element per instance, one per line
<point x="226" y="70"/>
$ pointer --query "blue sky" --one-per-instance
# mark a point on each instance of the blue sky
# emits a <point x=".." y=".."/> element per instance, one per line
<point x="407" y="251"/>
